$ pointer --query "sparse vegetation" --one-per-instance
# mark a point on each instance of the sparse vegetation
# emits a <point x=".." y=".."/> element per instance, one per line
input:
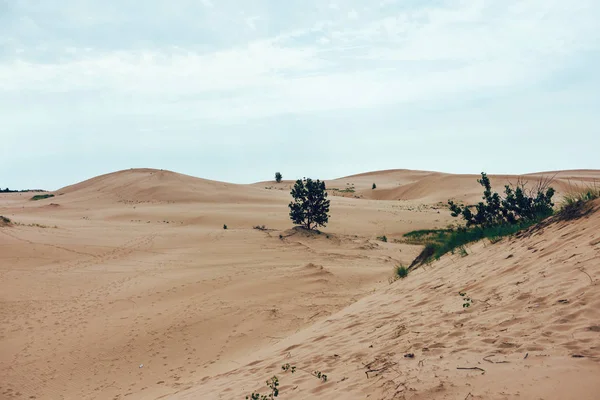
<point x="382" y="238"/>
<point x="224" y="226"/>
<point x="466" y="300"/>
<point x="310" y="207"/>
<point x="401" y="271"/>
<point x="577" y="202"/>
<point x="518" y="205"/>
<point x="374" y="187"/>
<point x="41" y="196"/>
<point x="494" y="219"/>
<point x="260" y="227"/>
<point x="273" y="383"/>
<point x="278" y="177"/>
<point x="4" y="220"/>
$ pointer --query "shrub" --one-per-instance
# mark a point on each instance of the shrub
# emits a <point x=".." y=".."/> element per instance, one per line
<point x="4" y="220"/>
<point x="41" y="197"/>
<point x="224" y="226"/>
<point x="382" y="238"/>
<point x="310" y="207"/>
<point x="278" y="177"/>
<point x="374" y="187"/>
<point x="401" y="271"/>
<point x="494" y="219"/>
<point x="518" y="204"/>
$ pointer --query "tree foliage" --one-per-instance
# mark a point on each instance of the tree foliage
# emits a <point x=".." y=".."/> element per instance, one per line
<point x="310" y="207"/>
<point x="518" y="204"/>
<point x="278" y="177"/>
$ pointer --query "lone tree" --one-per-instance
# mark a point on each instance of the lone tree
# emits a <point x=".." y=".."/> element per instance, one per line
<point x="278" y="177"/>
<point x="310" y="207"/>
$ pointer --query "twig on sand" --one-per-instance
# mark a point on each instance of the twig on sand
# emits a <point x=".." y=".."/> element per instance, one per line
<point x="486" y="358"/>
<point x="472" y="368"/>
<point x="584" y="271"/>
<point x="469" y="395"/>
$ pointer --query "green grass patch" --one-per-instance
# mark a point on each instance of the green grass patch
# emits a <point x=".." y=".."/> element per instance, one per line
<point x="41" y="197"/>
<point x="442" y="241"/>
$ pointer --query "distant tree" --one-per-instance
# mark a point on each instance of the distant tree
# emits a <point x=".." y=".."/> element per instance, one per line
<point x="278" y="177"/>
<point x="374" y="187"/>
<point x="310" y="207"/>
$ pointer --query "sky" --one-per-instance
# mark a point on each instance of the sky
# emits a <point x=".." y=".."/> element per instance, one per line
<point x="237" y="90"/>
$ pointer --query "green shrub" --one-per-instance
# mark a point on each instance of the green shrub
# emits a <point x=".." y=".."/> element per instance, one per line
<point x="382" y="238"/>
<point x="41" y="197"/>
<point x="519" y="204"/>
<point x="401" y="271"/>
<point x="224" y="226"/>
<point x="374" y="187"/>
<point x="278" y="177"/>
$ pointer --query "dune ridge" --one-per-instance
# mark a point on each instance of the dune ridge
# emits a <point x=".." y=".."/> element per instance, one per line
<point x="127" y="286"/>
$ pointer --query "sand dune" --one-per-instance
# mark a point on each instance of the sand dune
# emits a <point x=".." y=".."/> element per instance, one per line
<point x="532" y="330"/>
<point x="127" y="286"/>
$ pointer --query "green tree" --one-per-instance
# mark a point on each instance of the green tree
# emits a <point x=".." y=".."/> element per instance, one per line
<point x="310" y="207"/>
<point x="278" y="177"/>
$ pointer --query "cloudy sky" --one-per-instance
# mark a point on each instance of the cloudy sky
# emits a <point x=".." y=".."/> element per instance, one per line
<point x="236" y="90"/>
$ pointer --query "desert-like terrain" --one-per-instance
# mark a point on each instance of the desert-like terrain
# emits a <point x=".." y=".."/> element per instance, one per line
<point x="127" y="286"/>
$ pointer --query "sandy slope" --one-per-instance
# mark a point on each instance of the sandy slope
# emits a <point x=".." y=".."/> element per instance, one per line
<point x="135" y="268"/>
<point x="533" y="330"/>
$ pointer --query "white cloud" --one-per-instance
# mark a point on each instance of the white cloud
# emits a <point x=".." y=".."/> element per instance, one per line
<point x="71" y="65"/>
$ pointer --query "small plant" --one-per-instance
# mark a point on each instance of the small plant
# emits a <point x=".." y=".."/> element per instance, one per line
<point x="278" y="177"/>
<point x="401" y="272"/>
<point x="462" y="251"/>
<point x="41" y="197"/>
<point x="281" y="236"/>
<point x="374" y="187"/>
<point x="4" y="220"/>
<point x="320" y="375"/>
<point x="272" y="384"/>
<point x="224" y="226"/>
<point x="288" y="368"/>
<point x="382" y="238"/>
<point x="260" y="227"/>
<point x="466" y="300"/>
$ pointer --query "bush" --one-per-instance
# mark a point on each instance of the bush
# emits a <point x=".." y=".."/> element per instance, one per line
<point x="278" y="177"/>
<point x="494" y="219"/>
<point x="401" y="272"/>
<point x="224" y="226"/>
<point x="41" y="197"/>
<point x="310" y="207"/>
<point x="518" y="205"/>
<point x="374" y="187"/>
<point x="382" y="238"/>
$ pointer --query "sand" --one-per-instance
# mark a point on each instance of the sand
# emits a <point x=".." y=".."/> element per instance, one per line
<point x="127" y="286"/>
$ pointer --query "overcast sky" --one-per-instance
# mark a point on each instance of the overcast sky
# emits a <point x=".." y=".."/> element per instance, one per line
<point x="236" y="90"/>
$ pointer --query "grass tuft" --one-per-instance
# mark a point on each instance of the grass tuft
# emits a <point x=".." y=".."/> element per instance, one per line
<point x="401" y="272"/>
<point x="577" y="202"/>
